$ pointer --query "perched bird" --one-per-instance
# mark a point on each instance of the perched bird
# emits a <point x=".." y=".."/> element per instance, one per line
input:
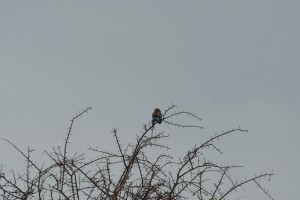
<point x="156" y="116"/>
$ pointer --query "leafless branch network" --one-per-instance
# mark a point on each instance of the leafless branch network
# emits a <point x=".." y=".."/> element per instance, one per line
<point x="130" y="172"/>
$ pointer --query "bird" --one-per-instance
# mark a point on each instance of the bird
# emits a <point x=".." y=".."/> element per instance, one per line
<point x="156" y="116"/>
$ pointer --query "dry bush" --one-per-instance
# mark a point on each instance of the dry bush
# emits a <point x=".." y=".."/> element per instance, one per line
<point x="141" y="177"/>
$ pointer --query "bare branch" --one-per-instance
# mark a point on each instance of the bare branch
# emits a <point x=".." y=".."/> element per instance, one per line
<point x="130" y="171"/>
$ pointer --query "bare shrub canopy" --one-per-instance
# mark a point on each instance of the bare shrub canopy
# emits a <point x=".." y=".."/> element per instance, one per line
<point x="141" y="177"/>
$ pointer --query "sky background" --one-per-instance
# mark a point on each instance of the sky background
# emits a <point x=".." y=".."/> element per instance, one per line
<point x="234" y="63"/>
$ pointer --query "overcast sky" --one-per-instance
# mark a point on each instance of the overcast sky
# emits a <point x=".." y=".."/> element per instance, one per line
<point x="234" y="63"/>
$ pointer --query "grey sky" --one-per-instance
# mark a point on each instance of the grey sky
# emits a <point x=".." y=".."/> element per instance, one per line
<point x="235" y="63"/>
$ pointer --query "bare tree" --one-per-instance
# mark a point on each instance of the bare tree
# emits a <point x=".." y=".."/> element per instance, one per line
<point x="130" y="172"/>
